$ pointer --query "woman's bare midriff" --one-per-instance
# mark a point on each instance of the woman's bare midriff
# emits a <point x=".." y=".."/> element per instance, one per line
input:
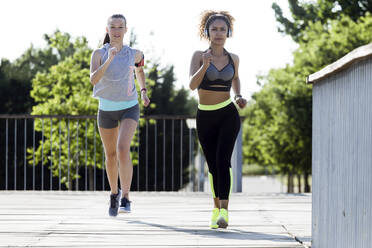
<point x="208" y="97"/>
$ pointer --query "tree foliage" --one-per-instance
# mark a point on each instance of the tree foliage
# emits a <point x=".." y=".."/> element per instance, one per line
<point x="278" y="124"/>
<point x="16" y="77"/>
<point x="322" y="11"/>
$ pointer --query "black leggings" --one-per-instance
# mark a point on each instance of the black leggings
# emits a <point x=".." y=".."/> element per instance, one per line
<point x="217" y="131"/>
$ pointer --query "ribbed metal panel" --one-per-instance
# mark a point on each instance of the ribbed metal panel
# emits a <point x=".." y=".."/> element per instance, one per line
<point x="342" y="158"/>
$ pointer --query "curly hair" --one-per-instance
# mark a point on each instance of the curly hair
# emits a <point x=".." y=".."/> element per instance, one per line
<point x="208" y="16"/>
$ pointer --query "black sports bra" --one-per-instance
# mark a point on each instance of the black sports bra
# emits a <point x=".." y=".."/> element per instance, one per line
<point x="218" y="80"/>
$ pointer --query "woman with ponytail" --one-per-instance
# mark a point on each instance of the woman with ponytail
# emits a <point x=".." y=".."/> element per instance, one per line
<point x="213" y="72"/>
<point x="112" y="71"/>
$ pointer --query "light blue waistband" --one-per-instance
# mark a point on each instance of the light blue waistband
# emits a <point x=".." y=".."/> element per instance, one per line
<point x="107" y="105"/>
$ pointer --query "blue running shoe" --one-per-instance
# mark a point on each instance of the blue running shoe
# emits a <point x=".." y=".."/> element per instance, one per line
<point x="114" y="203"/>
<point x="124" y="205"/>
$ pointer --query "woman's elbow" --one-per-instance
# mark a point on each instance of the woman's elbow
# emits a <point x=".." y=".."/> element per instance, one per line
<point x="192" y="84"/>
<point x="192" y="87"/>
<point x="92" y="80"/>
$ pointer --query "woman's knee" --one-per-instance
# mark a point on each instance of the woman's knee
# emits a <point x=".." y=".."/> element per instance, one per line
<point x="223" y="160"/>
<point x="111" y="155"/>
<point x="123" y="149"/>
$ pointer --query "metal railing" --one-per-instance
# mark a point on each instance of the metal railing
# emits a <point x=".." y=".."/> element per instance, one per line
<point x="60" y="152"/>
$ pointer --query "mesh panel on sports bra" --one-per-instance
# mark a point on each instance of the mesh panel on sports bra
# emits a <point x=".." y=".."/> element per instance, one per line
<point x="218" y="80"/>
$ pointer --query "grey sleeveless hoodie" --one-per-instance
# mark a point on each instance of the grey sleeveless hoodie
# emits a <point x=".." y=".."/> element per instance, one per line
<point x="117" y="84"/>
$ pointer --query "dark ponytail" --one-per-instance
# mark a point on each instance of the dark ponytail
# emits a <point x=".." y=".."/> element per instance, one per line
<point x="107" y="37"/>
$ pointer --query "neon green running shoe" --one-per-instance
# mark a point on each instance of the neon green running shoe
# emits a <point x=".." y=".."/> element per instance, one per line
<point x="215" y="214"/>
<point x="223" y="218"/>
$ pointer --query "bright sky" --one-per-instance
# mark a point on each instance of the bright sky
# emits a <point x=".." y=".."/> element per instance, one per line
<point x="166" y="29"/>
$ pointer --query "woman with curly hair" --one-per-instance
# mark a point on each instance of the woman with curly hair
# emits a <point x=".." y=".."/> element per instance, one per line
<point x="213" y="72"/>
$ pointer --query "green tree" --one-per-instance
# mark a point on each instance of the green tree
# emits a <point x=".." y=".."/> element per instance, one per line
<point x="15" y="86"/>
<point x="64" y="90"/>
<point x="16" y="77"/>
<point x="165" y="99"/>
<point x="278" y="127"/>
<point x="306" y="12"/>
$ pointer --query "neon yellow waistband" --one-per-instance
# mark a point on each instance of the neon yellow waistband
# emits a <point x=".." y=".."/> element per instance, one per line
<point x="214" y="106"/>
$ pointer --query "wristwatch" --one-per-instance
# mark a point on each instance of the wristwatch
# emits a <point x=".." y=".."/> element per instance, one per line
<point x="236" y="97"/>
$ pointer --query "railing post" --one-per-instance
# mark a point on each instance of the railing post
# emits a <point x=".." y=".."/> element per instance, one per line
<point x="6" y="154"/>
<point x="236" y="163"/>
<point x="200" y="161"/>
<point x="15" y="154"/>
<point x="24" y="156"/>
